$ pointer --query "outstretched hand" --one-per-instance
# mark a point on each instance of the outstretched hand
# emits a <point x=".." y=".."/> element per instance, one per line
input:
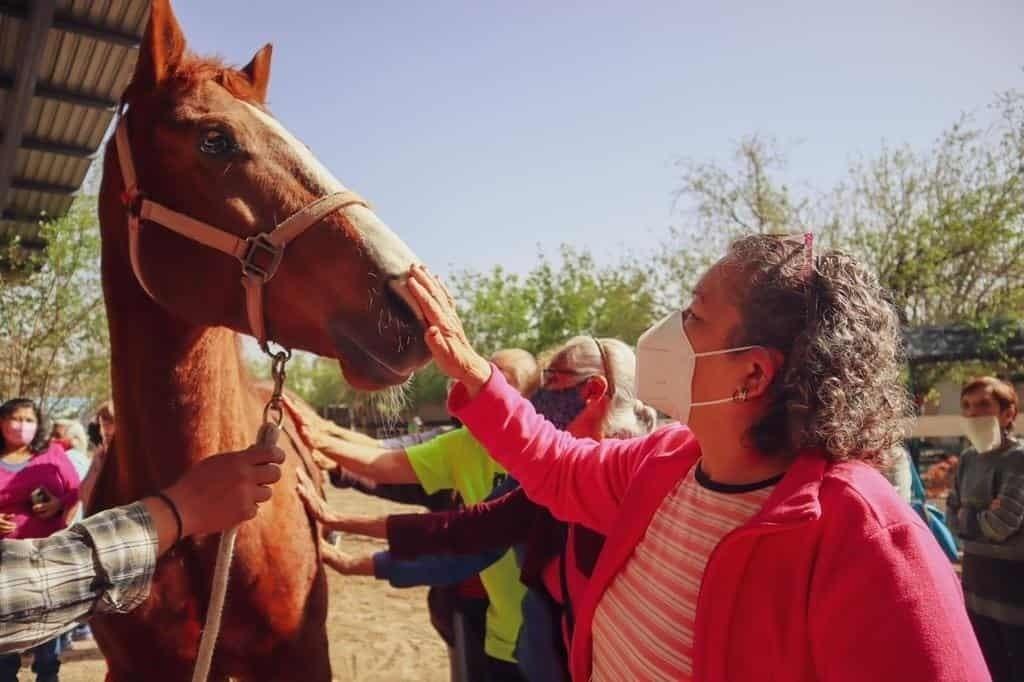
<point x="316" y="506"/>
<point x="315" y="503"/>
<point x="322" y="434"/>
<point x="445" y="336"/>
<point x="344" y="563"/>
<point x="322" y="461"/>
<point x="311" y="426"/>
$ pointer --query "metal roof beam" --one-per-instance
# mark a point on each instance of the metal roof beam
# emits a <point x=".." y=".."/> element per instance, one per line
<point x="107" y="35"/>
<point x="61" y="94"/>
<point x="11" y="215"/>
<point x="31" y="242"/>
<point x="39" y="21"/>
<point x="76" y="98"/>
<point x="71" y="24"/>
<point x="45" y="187"/>
<point x="36" y="144"/>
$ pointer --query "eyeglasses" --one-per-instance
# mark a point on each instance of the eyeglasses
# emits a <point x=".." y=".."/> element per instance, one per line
<point x="552" y="373"/>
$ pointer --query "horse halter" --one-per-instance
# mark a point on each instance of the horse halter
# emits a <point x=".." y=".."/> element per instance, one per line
<point x="259" y="254"/>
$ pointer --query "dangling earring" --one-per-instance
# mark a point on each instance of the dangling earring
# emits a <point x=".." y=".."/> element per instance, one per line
<point x="740" y="396"/>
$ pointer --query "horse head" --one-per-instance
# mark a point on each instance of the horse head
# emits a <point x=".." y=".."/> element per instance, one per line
<point x="204" y="144"/>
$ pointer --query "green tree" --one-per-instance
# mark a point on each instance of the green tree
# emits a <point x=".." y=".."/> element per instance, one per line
<point x="54" y="326"/>
<point x="427" y="387"/>
<point x="943" y="228"/>
<point x="719" y="202"/>
<point x="555" y="301"/>
<point x="576" y="296"/>
<point x="497" y="308"/>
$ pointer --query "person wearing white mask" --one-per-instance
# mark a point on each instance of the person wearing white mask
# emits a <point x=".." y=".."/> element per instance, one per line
<point x="756" y="540"/>
<point x="986" y="509"/>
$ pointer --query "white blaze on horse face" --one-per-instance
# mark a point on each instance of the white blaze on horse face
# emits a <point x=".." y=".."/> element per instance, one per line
<point x="387" y="250"/>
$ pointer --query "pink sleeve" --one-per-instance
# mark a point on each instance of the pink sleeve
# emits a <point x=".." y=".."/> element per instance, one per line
<point x="579" y="480"/>
<point x="889" y="607"/>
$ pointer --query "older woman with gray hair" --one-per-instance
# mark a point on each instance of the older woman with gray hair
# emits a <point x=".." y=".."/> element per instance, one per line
<point x="756" y="539"/>
<point x="588" y="390"/>
<point x="71" y="435"/>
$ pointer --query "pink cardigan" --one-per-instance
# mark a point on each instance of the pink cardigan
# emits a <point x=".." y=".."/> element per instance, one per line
<point x="835" y="579"/>
<point x="50" y="469"/>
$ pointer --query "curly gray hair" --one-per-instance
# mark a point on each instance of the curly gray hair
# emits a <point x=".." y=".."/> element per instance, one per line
<point x="840" y="388"/>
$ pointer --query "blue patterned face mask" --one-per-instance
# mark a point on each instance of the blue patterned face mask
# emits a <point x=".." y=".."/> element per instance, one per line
<point x="559" y="407"/>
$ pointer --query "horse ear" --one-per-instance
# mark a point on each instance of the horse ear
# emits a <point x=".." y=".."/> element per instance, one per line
<point x="258" y="71"/>
<point x="162" y="47"/>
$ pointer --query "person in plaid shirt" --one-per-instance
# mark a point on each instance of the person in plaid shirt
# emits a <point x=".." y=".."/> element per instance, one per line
<point x="106" y="562"/>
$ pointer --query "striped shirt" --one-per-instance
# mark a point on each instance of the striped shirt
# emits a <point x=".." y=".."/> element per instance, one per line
<point x="644" y="623"/>
<point x="102" y="564"/>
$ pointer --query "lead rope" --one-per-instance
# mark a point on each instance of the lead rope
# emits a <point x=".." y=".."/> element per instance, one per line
<point x="273" y="417"/>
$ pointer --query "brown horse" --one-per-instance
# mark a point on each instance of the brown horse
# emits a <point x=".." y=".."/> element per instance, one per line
<point x="204" y="145"/>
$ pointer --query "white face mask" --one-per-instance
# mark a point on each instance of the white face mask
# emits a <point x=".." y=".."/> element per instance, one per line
<point x="665" y="361"/>
<point x="983" y="432"/>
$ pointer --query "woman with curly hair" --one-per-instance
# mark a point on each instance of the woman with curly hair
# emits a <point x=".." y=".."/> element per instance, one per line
<point x="756" y="539"/>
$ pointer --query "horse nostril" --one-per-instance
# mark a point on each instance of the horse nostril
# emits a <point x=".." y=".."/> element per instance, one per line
<point x="398" y="287"/>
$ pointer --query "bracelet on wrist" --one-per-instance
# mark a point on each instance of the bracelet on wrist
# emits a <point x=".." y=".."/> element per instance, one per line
<point x="177" y="515"/>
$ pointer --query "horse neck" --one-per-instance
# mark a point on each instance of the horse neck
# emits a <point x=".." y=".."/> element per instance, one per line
<point x="181" y="391"/>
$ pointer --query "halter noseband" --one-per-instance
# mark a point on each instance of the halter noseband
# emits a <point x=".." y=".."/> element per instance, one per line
<point x="260" y="254"/>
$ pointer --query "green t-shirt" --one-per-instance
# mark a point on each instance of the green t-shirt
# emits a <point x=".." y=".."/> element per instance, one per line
<point x="456" y="460"/>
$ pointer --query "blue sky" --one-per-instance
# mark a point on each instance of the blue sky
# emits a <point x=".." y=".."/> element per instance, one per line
<point x="482" y="129"/>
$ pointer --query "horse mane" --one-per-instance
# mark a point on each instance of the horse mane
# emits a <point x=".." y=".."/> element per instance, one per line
<point x="194" y="69"/>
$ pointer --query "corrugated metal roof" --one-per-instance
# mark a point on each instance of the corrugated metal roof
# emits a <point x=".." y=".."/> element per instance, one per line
<point x="85" y="61"/>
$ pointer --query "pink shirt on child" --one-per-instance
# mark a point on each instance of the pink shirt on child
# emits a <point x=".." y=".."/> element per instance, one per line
<point x="50" y="469"/>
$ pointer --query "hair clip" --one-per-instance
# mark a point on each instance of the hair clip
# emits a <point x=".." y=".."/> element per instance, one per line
<point x="808" y="255"/>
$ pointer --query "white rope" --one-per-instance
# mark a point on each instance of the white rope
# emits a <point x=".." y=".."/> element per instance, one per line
<point x="218" y="594"/>
<point x="221" y="573"/>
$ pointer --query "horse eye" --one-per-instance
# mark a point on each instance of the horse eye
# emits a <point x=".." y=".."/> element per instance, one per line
<point x="216" y="142"/>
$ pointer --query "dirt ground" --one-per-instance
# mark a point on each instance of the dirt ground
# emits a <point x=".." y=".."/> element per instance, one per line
<point x="378" y="634"/>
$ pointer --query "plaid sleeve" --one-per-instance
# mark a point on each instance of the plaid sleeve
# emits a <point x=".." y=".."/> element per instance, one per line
<point x="105" y="563"/>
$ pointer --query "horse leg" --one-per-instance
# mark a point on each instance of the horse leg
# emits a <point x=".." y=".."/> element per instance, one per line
<point x="307" y="656"/>
<point x="308" y="660"/>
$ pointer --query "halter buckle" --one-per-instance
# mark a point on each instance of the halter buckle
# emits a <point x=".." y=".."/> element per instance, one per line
<point x="258" y="247"/>
<point x="131" y="199"/>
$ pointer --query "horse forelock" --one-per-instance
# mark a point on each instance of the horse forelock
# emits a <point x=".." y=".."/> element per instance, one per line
<point x="194" y="70"/>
